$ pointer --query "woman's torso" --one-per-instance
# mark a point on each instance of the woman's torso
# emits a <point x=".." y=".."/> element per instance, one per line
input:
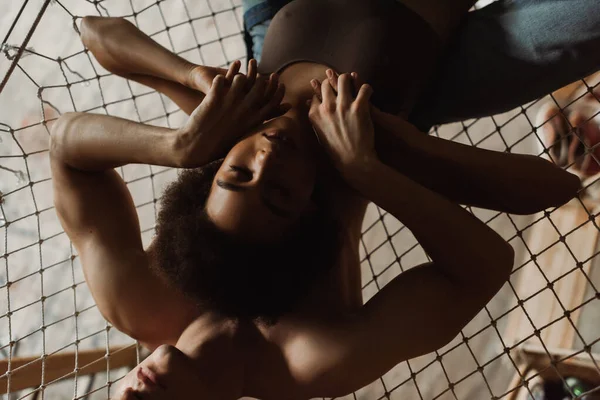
<point x="390" y="46"/>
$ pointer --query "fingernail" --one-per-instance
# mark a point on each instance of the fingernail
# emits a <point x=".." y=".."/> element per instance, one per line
<point x="313" y="83"/>
<point x="329" y="73"/>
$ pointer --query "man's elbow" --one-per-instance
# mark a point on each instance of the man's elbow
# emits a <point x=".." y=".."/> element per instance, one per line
<point x="99" y="34"/>
<point x="59" y="133"/>
<point x="499" y="266"/>
<point x="93" y="28"/>
<point x="89" y="30"/>
<point x="507" y="259"/>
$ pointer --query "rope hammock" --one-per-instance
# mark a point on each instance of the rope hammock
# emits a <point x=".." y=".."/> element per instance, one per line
<point x="544" y="325"/>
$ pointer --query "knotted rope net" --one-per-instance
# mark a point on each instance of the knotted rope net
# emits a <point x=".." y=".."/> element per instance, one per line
<point x="544" y="325"/>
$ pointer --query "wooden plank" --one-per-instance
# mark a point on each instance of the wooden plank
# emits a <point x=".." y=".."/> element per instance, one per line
<point x="581" y="365"/>
<point x="587" y="269"/>
<point x="26" y="372"/>
<point x="565" y="218"/>
<point x="571" y="288"/>
<point x="536" y="365"/>
<point x="530" y="280"/>
<point x="555" y="262"/>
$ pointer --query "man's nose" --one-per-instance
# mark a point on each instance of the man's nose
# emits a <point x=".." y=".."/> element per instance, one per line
<point x="262" y="161"/>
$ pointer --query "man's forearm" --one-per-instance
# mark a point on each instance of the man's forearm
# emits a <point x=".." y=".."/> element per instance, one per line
<point x="92" y="142"/>
<point x="454" y="239"/>
<point x="514" y="183"/>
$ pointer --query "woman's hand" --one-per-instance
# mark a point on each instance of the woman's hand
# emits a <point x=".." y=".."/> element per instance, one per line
<point x="225" y="114"/>
<point x="343" y="124"/>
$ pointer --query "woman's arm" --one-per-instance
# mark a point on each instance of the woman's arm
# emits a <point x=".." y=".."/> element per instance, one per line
<point x="121" y="48"/>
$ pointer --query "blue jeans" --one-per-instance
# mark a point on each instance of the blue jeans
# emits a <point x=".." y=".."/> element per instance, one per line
<point x="504" y="55"/>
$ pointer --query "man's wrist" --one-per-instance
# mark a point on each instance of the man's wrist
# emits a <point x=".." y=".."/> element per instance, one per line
<point x="187" y="153"/>
<point x="362" y="171"/>
<point x="179" y="146"/>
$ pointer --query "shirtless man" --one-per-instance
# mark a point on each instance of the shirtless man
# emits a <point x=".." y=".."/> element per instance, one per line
<point x="328" y="343"/>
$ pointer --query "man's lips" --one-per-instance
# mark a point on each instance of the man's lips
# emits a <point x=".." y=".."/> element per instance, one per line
<point x="148" y="378"/>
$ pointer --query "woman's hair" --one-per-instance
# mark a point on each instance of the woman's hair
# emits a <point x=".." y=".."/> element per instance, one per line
<point x="232" y="276"/>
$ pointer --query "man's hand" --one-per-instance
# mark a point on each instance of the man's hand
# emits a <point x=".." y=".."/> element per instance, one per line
<point x="200" y="77"/>
<point x="343" y="124"/>
<point x="379" y="117"/>
<point x="225" y="114"/>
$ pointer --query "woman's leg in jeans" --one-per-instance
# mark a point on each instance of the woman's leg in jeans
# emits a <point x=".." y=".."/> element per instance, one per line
<point x="443" y="16"/>
<point x="510" y="53"/>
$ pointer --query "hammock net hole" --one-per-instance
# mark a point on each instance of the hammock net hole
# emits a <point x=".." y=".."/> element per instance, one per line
<point x="46" y="308"/>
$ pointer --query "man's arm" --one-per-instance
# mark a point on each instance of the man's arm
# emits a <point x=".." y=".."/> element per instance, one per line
<point x="421" y="309"/>
<point x="97" y="212"/>
<point x="513" y="183"/>
<point x="93" y="142"/>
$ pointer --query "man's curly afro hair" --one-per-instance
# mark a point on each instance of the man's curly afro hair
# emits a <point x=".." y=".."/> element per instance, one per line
<point x="229" y="275"/>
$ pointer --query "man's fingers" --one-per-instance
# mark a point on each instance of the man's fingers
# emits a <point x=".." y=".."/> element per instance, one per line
<point x="234" y="68"/>
<point x="364" y="95"/>
<point x="271" y="86"/>
<point x="252" y="74"/>
<point x="328" y="95"/>
<point x="256" y="96"/>
<point x="345" y="96"/>
<point x="316" y="85"/>
<point x="211" y="106"/>
<point x="277" y="112"/>
<point x="237" y="89"/>
<point x="357" y="82"/>
<point x="216" y="92"/>
<point x="332" y="77"/>
<point x="273" y="103"/>
<point x="314" y="104"/>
